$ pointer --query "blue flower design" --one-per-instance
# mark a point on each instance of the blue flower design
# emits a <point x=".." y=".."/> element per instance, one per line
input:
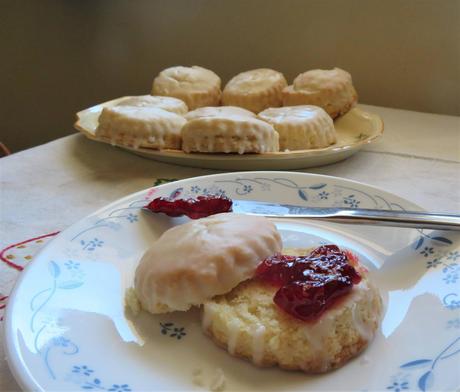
<point x="455" y="323"/>
<point x="351" y="202"/>
<point x="323" y="195"/>
<point x="120" y="388"/>
<point x="427" y="251"/>
<point x="178" y="333"/>
<point x="132" y="218"/>
<point x="398" y="386"/>
<point x="247" y="188"/>
<point x="61" y="341"/>
<point x="453" y="255"/>
<point x="72" y="265"/>
<point x="174" y="332"/>
<point x="195" y="189"/>
<point x="82" y="370"/>
<point x="433" y="263"/>
<point x="451" y="277"/>
<point x="91" y="245"/>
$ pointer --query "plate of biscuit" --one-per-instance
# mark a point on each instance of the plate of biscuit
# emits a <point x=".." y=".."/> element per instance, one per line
<point x="256" y="122"/>
<point x="131" y="300"/>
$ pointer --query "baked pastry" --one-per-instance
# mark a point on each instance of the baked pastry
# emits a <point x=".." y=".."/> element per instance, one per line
<point x="229" y="133"/>
<point x="191" y="263"/>
<point x="301" y="127"/>
<point x="140" y="127"/>
<point x="196" y="86"/>
<point x="330" y="89"/>
<point x="216" y="111"/>
<point x="249" y="324"/>
<point x="170" y="104"/>
<point x="255" y="90"/>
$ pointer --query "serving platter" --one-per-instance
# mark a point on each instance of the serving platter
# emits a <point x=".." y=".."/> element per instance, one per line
<point x="354" y="130"/>
<point x="66" y="327"/>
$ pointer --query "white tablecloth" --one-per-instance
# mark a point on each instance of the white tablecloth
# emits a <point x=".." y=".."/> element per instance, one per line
<point x="49" y="187"/>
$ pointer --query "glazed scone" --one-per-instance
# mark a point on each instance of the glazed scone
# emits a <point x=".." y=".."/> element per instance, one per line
<point x="140" y="127"/>
<point x="229" y="133"/>
<point x="248" y="324"/>
<point x="330" y="89"/>
<point x="191" y="263"/>
<point x="255" y="90"/>
<point x="216" y="111"/>
<point x="196" y="86"/>
<point x="301" y="127"/>
<point x="169" y="104"/>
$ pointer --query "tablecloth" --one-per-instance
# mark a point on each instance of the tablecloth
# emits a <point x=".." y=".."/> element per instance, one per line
<point x="47" y="188"/>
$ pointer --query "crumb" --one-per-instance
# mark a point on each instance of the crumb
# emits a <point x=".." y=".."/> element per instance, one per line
<point x="132" y="302"/>
<point x="218" y="381"/>
<point x="197" y="377"/>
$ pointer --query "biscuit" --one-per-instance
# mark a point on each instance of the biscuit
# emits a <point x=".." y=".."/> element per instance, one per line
<point x="169" y="104"/>
<point x="301" y="127"/>
<point x="249" y="325"/>
<point x="191" y="263"/>
<point x="216" y="111"/>
<point x="255" y="90"/>
<point x="229" y="134"/>
<point x="196" y="86"/>
<point x="140" y="127"/>
<point x="331" y="90"/>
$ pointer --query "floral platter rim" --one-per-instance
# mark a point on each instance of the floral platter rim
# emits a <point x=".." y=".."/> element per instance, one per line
<point x="26" y="380"/>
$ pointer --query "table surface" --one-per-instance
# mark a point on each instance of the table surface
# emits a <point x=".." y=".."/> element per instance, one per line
<point x="49" y="187"/>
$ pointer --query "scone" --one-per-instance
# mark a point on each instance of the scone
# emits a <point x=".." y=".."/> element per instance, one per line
<point x="169" y="104"/>
<point x="196" y="86"/>
<point x="249" y="324"/>
<point x="216" y="111"/>
<point x="140" y="127"/>
<point x="255" y="90"/>
<point x="191" y="263"/>
<point x="301" y="127"/>
<point x="229" y="133"/>
<point x="330" y="89"/>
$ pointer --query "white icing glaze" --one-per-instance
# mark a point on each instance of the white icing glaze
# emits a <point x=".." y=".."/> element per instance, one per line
<point x="233" y="335"/>
<point x="217" y="111"/>
<point x="255" y="81"/>
<point x="135" y="126"/>
<point x="301" y="127"/>
<point x="179" y="79"/>
<point x="193" y="262"/>
<point x="258" y="344"/>
<point x="169" y="104"/>
<point x="321" y="79"/>
<point x="232" y="133"/>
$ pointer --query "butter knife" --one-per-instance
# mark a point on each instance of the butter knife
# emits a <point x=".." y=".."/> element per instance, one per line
<point x="361" y="216"/>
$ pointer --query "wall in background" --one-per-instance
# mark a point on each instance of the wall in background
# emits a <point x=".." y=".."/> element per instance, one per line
<point x="61" y="56"/>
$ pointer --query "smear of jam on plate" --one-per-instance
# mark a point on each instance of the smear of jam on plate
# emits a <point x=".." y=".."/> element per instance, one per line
<point x="308" y="285"/>
<point x="194" y="208"/>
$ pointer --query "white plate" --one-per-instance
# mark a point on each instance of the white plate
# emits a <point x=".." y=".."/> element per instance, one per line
<point x="66" y="328"/>
<point x="354" y="130"/>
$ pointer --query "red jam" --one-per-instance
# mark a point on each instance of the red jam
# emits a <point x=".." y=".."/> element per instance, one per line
<point x="310" y="284"/>
<point x="196" y="208"/>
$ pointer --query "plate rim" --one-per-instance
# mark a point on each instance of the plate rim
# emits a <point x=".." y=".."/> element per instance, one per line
<point x="21" y="373"/>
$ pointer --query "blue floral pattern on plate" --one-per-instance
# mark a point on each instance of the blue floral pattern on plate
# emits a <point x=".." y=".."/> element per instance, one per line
<point x="435" y="252"/>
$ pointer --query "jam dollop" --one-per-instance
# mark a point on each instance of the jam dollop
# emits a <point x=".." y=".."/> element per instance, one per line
<point x="194" y="208"/>
<point x="308" y="285"/>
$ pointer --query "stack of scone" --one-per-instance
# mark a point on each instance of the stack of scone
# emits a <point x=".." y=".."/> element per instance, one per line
<point x="260" y="112"/>
<point x="211" y="262"/>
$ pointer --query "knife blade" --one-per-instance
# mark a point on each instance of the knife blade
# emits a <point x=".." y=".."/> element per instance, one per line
<point x="393" y="218"/>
